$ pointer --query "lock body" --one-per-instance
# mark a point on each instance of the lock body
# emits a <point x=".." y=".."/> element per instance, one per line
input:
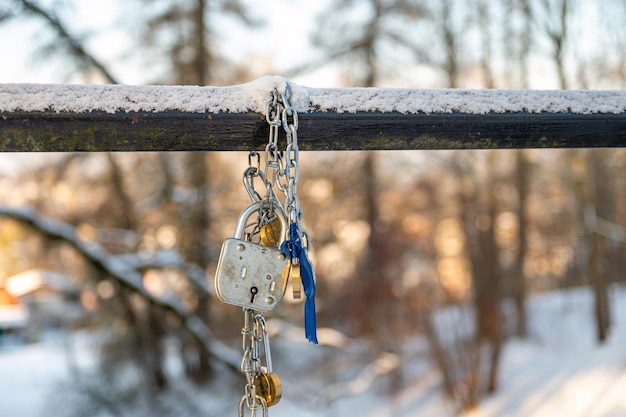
<point x="249" y="274"/>
<point x="270" y="387"/>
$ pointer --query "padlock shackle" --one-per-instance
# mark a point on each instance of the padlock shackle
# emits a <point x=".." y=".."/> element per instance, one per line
<point x="248" y="182"/>
<point x="257" y="206"/>
<point x="259" y="320"/>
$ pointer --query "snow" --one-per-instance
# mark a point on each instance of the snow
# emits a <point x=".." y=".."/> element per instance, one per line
<point x="563" y="371"/>
<point x="558" y="371"/>
<point x="13" y="316"/>
<point x="253" y="97"/>
<point x="27" y="374"/>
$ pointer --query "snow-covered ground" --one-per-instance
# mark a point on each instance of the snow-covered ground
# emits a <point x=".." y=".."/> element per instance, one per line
<point x="562" y="370"/>
<point x="559" y="371"/>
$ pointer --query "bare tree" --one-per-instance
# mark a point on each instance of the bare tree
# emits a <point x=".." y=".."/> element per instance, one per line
<point x="553" y="20"/>
<point x="518" y="275"/>
<point x="486" y="275"/>
<point x="599" y="208"/>
<point x="595" y="208"/>
<point x="484" y="21"/>
<point x="517" y="33"/>
<point x="148" y="330"/>
<point x="469" y="362"/>
<point x="361" y="45"/>
<point x="194" y="227"/>
<point x="192" y="50"/>
<point x="72" y="45"/>
<point x="448" y="32"/>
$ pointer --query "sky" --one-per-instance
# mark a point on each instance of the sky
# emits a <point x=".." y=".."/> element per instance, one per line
<point x="284" y="37"/>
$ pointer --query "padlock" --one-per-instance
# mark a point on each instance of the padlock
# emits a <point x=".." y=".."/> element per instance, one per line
<point x="249" y="274"/>
<point x="267" y="382"/>
<point x="269" y="387"/>
<point x="271" y="232"/>
<point x="296" y="281"/>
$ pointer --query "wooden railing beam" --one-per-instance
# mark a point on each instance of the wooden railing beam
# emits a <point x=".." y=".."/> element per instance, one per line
<point x="176" y="131"/>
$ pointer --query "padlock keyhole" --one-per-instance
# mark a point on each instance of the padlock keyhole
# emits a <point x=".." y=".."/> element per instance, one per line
<point x="253" y="291"/>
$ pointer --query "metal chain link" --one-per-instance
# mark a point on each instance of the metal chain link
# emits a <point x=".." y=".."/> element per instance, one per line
<point x="291" y="170"/>
<point x="280" y="112"/>
<point x="282" y="169"/>
<point x="251" y="363"/>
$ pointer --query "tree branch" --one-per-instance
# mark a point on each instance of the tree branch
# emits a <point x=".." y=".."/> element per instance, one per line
<point x="126" y="276"/>
<point x="76" y="48"/>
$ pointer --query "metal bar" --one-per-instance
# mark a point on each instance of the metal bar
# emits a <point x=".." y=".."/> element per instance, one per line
<point x="181" y="131"/>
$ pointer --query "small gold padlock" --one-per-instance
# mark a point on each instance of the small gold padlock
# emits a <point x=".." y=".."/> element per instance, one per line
<point x="270" y="388"/>
<point x="296" y="281"/>
<point x="271" y="233"/>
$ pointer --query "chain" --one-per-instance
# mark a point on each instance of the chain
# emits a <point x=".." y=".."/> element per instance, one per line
<point x="272" y="155"/>
<point x="291" y="170"/>
<point x="282" y="167"/>
<point x="252" y="333"/>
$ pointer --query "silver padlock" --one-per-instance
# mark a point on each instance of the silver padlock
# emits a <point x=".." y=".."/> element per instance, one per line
<point x="251" y="275"/>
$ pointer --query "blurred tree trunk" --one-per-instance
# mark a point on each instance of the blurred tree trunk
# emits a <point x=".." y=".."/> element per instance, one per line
<point x="556" y="27"/>
<point x="196" y="221"/>
<point x="181" y="32"/>
<point x="447" y="28"/>
<point x="487" y="277"/>
<point x="194" y="218"/>
<point x="473" y="369"/>
<point x="194" y="226"/>
<point x="575" y="173"/>
<point x="517" y="42"/>
<point x="518" y="276"/>
<point x="484" y="20"/>
<point x="148" y="332"/>
<point x="526" y="41"/>
<point x="201" y="61"/>
<point x="599" y="209"/>
<point x="372" y="287"/>
<point x="438" y="352"/>
<point x="483" y="253"/>
<point x="594" y="205"/>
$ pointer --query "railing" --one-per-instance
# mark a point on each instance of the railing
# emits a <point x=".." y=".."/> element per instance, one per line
<point x="166" y="118"/>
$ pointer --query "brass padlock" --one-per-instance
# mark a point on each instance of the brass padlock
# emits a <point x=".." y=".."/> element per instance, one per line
<point x="249" y="274"/>
<point x="266" y="382"/>
<point x="272" y="231"/>
<point x="269" y="387"/>
<point x="296" y="281"/>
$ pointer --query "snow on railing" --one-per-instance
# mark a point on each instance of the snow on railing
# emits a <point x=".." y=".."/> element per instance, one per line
<point x="161" y="118"/>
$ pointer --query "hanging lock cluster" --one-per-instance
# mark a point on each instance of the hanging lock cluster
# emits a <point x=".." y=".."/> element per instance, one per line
<point x="268" y="249"/>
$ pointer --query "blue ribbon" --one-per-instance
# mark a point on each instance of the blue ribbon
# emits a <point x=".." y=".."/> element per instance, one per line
<point x="293" y="246"/>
